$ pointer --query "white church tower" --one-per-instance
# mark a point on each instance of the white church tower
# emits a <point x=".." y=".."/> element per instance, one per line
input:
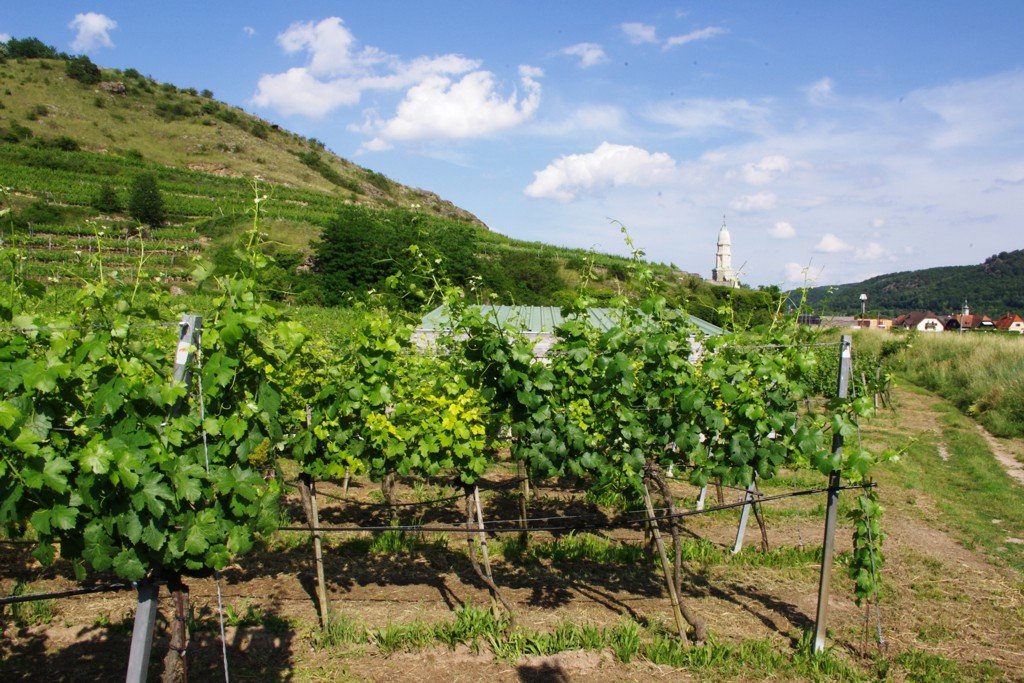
<point x="723" y="273"/>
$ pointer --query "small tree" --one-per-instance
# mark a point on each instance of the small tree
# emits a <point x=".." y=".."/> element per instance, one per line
<point x="106" y="199"/>
<point x="145" y="203"/>
<point x="82" y="69"/>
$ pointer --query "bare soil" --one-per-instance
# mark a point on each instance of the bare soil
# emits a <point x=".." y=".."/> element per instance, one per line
<point x="940" y="597"/>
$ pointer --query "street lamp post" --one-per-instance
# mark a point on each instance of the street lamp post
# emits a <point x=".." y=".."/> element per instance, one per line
<point x="863" y="305"/>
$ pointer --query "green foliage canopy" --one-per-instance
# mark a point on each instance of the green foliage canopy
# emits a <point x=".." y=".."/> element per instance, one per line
<point x="145" y="202"/>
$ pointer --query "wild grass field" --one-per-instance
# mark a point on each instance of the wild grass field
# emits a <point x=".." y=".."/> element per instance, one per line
<point x="982" y="374"/>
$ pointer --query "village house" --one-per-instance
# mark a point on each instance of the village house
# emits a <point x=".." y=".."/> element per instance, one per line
<point x="1011" y="322"/>
<point x="921" y="321"/>
<point x="974" y="321"/>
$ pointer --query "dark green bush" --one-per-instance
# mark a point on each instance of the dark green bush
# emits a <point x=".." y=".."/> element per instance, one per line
<point x="36" y="112"/>
<point x="30" y="48"/>
<point x="83" y="70"/>
<point x="145" y="203"/>
<point x="106" y="199"/>
<point x="15" y="133"/>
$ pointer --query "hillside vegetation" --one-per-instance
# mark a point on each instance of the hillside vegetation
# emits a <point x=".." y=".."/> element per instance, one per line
<point x="993" y="287"/>
<point x="75" y="137"/>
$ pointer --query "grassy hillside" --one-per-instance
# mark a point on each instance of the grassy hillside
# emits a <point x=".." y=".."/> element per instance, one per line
<point x="183" y="129"/>
<point x="993" y="288"/>
<point x="70" y="149"/>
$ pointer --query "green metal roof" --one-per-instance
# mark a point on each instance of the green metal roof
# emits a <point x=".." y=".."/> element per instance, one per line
<point x="544" y="319"/>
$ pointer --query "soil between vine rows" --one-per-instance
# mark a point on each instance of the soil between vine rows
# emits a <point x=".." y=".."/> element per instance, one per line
<point x="941" y="598"/>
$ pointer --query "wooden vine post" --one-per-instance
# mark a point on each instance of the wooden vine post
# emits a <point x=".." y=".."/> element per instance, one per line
<point x="832" y="504"/>
<point x="176" y="660"/>
<point x="524" y="500"/>
<point x="475" y="522"/>
<point x="307" y="493"/>
<point x="670" y="583"/>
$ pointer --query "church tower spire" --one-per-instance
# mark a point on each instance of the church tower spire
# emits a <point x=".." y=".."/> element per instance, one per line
<point x="723" y="272"/>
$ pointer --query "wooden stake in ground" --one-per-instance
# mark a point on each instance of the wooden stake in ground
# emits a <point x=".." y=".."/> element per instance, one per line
<point x="759" y="516"/>
<point x="524" y="500"/>
<point x="307" y="490"/>
<point x="700" y="629"/>
<point x="176" y="660"/>
<point x="475" y="521"/>
<point x="669" y="582"/>
<point x="387" y="487"/>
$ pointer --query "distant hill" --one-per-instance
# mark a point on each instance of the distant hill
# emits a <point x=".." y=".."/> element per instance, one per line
<point x="74" y="137"/>
<point x="993" y="288"/>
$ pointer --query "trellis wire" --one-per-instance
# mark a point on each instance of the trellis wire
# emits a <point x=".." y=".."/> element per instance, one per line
<point x="82" y="328"/>
<point x="612" y="524"/>
<point x="743" y="347"/>
<point x="496" y="487"/>
<point x="516" y="520"/>
<point x="102" y="588"/>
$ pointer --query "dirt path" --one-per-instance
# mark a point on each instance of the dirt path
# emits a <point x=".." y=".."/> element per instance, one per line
<point x="1004" y="450"/>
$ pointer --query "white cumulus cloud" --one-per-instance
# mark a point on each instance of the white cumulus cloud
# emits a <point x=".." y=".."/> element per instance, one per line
<point x="762" y="201"/>
<point x="638" y="33"/>
<point x="590" y="54"/>
<point x="330" y="46"/>
<point x="609" y="165"/>
<point x="249" y="31"/>
<point x="831" y="244"/>
<point x="92" y="31"/>
<point x="766" y="170"/>
<point x="338" y="71"/>
<point x="782" y="230"/>
<point x="872" y="252"/>
<point x="443" y="108"/>
<point x="297" y="91"/>
<point x="700" y="34"/>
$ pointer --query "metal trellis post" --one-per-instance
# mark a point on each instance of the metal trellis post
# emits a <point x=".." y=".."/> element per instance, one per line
<point x="748" y="499"/>
<point x="145" y="612"/>
<point x="832" y="505"/>
<point x="142" y="634"/>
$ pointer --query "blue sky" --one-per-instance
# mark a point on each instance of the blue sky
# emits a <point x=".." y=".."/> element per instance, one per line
<point x="839" y="140"/>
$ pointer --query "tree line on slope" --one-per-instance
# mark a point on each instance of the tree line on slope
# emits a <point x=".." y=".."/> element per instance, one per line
<point x="992" y="287"/>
